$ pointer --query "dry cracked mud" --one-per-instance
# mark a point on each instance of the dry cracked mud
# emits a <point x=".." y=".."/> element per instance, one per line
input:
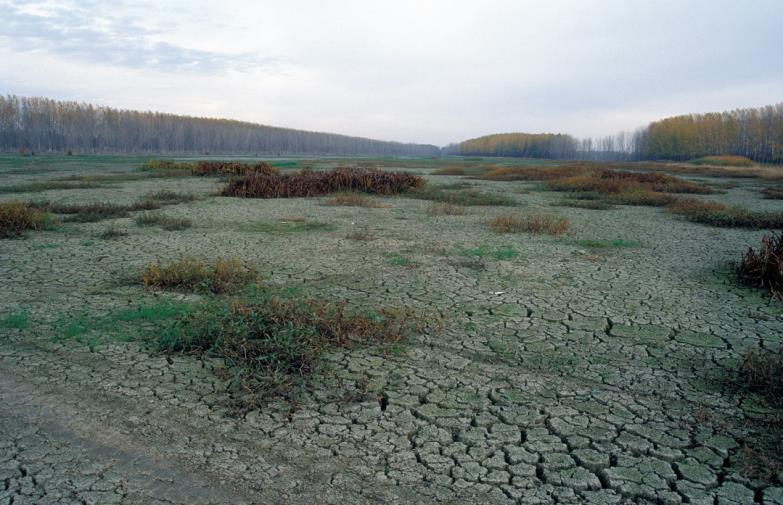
<point x="561" y="375"/>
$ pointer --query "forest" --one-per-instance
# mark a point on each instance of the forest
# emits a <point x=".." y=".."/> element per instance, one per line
<point x="46" y="125"/>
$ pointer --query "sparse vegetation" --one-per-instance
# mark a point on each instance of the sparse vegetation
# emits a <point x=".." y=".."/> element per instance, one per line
<point x="288" y="225"/>
<point x="772" y="193"/>
<point x="93" y="212"/>
<point x="168" y="197"/>
<point x="274" y="346"/>
<point x="361" y="234"/>
<point x="209" y="168"/>
<point x="445" y="209"/>
<point x="585" y="204"/>
<point x="537" y="223"/>
<point x="763" y="268"/>
<point x="166" y="222"/>
<point x="717" y="214"/>
<point x="112" y="233"/>
<point x="466" y="198"/>
<point x="607" y="244"/>
<point x="309" y="183"/>
<point x="351" y="199"/>
<point x="724" y="161"/>
<point x="38" y="187"/>
<point x="483" y="251"/>
<point x="187" y="274"/>
<point x="17" y="217"/>
<point x="762" y="372"/>
<point x="166" y="165"/>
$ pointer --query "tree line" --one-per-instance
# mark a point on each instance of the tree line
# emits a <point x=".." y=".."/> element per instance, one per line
<point x="522" y="145"/>
<point x="46" y="125"/>
<point x="756" y="133"/>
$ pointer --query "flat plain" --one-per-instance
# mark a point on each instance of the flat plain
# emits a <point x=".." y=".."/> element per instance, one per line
<point x="598" y="365"/>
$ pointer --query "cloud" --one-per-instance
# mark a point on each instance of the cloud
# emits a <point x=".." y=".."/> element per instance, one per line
<point x="80" y="32"/>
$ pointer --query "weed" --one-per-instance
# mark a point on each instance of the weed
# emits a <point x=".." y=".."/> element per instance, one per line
<point x="166" y="222"/>
<point x="112" y="233"/>
<point x="762" y="372"/>
<point x="363" y="234"/>
<point x="18" y="217"/>
<point x="166" y="165"/>
<point x="274" y="346"/>
<point x="223" y="276"/>
<point x="14" y="321"/>
<point x="501" y="253"/>
<point x="468" y="197"/>
<point x="772" y="193"/>
<point x="208" y="168"/>
<point x="351" y="199"/>
<point x="532" y="223"/>
<point x="399" y="260"/>
<point x="309" y="183"/>
<point x="764" y="268"/>
<point x="585" y="204"/>
<point x="445" y="209"/>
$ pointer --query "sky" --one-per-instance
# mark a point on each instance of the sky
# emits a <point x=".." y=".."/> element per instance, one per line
<point x="426" y="71"/>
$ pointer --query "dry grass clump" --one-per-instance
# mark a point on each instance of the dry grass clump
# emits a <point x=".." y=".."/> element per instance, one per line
<point x="309" y="183"/>
<point x="537" y="223"/>
<point x="274" y="346"/>
<point x="763" y="268"/>
<point x="351" y="199"/>
<point x="18" y="217"/>
<point x="362" y="234"/>
<point x="209" y="168"/>
<point x="527" y="173"/>
<point x="187" y="274"/>
<point x="445" y="209"/>
<point x="763" y="373"/>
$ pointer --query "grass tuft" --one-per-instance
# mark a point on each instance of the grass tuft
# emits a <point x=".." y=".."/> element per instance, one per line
<point x="445" y="209"/>
<point x="537" y="223"/>
<point x="187" y="274"/>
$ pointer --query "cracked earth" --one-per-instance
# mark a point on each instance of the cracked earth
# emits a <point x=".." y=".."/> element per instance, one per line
<point x="562" y="375"/>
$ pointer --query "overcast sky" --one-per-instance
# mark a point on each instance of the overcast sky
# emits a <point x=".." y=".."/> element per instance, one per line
<point x="420" y="71"/>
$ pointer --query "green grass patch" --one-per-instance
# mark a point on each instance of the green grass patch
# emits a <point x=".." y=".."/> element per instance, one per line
<point x="399" y="260"/>
<point x="14" y="321"/>
<point x="483" y="251"/>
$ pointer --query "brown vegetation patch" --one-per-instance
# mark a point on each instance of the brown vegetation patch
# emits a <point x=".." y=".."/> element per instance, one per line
<point x="537" y="223"/>
<point x="763" y="268"/>
<point x="18" y="217"/>
<point x="445" y="209"/>
<point x="187" y="274"/>
<point x="762" y="372"/>
<point x="308" y="183"/>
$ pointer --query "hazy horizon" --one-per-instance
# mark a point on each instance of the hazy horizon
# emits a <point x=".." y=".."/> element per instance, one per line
<point x="435" y="73"/>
